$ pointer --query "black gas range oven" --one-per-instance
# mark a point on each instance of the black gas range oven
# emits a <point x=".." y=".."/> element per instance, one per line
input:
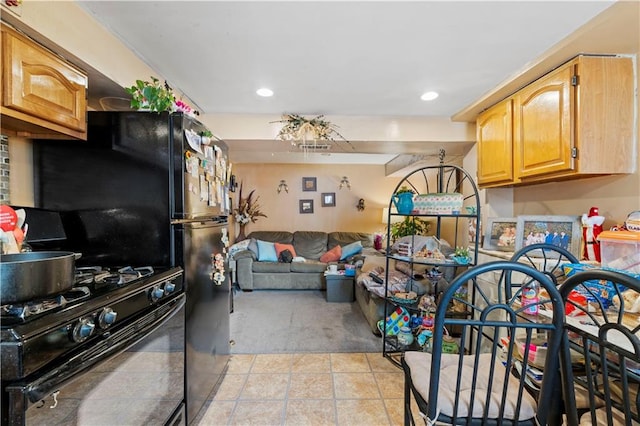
<point x="108" y="351"/>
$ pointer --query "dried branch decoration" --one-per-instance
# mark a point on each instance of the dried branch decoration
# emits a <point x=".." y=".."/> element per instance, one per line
<point x="297" y="128"/>
<point x="248" y="209"/>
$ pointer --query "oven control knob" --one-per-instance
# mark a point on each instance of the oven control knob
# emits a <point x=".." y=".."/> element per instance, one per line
<point x="156" y="293"/>
<point x="169" y="287"/>
<point x="82" y="330"/>
<point x="107" y="317"/>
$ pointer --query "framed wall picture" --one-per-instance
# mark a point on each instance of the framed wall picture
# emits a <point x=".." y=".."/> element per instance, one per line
<point x="475" y="231"/>
<point x="306" y="206"/>
<point x="500" y="234"/>
<point x="328" y="199"/>
<point x="309" y="184"/>
<point x="562" y="231"/>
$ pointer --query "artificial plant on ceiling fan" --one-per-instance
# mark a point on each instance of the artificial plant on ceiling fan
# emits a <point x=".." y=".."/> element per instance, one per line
<point x="298" y="129"/>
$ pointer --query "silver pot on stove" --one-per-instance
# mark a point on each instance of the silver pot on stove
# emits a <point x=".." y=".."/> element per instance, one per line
<point x="35" y="275"/>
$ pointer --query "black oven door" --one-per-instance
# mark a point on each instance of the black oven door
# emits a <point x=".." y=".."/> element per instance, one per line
<point x="134" y="376"/>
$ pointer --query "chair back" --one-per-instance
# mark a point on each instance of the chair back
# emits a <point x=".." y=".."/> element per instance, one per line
<point x="547" y="258"/>
<point x="601" y="346"/>
<point x="496" y="376"/>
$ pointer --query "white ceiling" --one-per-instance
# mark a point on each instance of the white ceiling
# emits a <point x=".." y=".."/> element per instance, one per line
<point x="372" y="58"/>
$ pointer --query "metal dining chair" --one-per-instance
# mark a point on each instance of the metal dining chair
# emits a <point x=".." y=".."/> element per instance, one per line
<point x="547" y="258"/>
<point x="603" y="326"/>
<point x="494" y="378"/>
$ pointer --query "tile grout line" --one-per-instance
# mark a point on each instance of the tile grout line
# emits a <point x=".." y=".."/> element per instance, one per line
<point x="333" y="390"/>
<point x="286" y="393"/>
<point x="236" y="401"/>
<point x="384" y="406"/>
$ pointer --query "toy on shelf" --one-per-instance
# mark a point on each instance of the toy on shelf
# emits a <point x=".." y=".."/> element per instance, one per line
<point x="591" y="228"/>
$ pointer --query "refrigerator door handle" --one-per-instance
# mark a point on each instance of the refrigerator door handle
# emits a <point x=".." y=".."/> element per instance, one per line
<point x="203" y="220"/>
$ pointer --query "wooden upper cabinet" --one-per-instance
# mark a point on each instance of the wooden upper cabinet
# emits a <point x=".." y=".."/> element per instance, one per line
<point x="495" y="144"/>
<point x="575" y="121"/>
<point x="542" y="120"/>
<point x="42" y="95"/>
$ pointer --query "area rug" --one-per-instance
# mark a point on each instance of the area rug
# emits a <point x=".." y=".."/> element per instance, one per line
<point x="287" y="321"/>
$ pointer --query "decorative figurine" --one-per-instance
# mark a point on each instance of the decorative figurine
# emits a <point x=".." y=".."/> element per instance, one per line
<point x="591" y="228"/>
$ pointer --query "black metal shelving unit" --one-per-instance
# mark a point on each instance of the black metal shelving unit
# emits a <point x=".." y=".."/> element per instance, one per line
<point x="442" y="178"/>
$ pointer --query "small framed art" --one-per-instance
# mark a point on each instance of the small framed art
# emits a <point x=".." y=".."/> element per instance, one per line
<point x="306" y="206"/>
<point x="328" y="199"/>
<point x="309" y="184"/>
<point x="500" y="234"/>
<point x="562" y="231"/>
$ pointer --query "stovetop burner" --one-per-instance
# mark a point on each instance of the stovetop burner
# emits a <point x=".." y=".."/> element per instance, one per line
<point x="24" y="310"/>
<point x="98" y="277"/>
<point x="89" y="281"/>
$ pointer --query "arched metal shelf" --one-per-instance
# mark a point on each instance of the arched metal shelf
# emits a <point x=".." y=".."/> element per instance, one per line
<point x="452" y="228"/>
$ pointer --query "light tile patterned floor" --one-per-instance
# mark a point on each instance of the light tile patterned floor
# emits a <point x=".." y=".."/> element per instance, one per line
<point x="308" y="389"/>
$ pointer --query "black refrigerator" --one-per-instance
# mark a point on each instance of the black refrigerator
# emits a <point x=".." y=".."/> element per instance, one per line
<point x="151" y="189"/>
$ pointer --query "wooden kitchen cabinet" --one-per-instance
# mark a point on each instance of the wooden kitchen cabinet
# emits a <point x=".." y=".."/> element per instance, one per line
<point x="495" y="144"/>
<point x="42" y="95"/>
<point x="576" y="121"/>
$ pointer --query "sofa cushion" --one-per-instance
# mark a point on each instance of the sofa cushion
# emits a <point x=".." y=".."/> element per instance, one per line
<point x="284" y="237"/>
<point x="310" y="244"/>
<point x="344" y="238"/>
<point x="253" y="246"/>
<point x="372" y="262"/>
<point x="271" y="267"/>
<point x="308" y="266"/>
<point x="267" y="251"/>
<point x="350" y="250"/>
<point x="282" y="247"/>
<point x="332" y="255"/>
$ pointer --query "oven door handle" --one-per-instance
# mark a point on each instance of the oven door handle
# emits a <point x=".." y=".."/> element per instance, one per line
<point x="112" y="345"/>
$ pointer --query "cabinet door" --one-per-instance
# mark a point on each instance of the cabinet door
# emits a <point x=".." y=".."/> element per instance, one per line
<point x="542" y="120"/>
<point x="495" y="144"/>
<point x="38" y="84"/>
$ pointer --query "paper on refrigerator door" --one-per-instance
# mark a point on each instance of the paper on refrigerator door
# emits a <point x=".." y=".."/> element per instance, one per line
<point x="204" y="189"/>
<point x="194" y="140"/>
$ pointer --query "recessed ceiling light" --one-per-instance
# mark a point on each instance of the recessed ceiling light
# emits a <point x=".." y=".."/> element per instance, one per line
<point x="429" y="96"/>
<point x="264" y="92"/>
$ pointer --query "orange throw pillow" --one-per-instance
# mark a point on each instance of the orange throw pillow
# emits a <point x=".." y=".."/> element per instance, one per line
<point x="282" y="247"/>
<point x="332" y="255"/>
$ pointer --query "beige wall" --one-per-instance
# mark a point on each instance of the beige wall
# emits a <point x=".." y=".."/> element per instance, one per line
<point x="20" y="172"/>
<point x="367" y="182"/>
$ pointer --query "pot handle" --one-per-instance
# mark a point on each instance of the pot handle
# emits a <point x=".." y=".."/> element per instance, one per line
<point x="77" y="255"/>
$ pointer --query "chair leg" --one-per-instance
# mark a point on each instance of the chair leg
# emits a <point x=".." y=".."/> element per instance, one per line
<point x="408" y="417"/>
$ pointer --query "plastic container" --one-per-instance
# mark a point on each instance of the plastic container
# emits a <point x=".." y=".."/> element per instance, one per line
<point x="596" y="289"/>
<point x="349" y="270"/>
<point x="530" y="298"/>
<point x="405" y="336"/>
<point x="438" y="203"/>
<point x="620" y="250"/>
<point x="339" y="288"/>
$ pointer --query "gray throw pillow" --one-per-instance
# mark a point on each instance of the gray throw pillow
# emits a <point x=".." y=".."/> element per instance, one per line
<point x="253" y="246"/>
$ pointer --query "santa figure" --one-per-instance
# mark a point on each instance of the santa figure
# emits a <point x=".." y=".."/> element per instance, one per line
<point x="591" y="228"/>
